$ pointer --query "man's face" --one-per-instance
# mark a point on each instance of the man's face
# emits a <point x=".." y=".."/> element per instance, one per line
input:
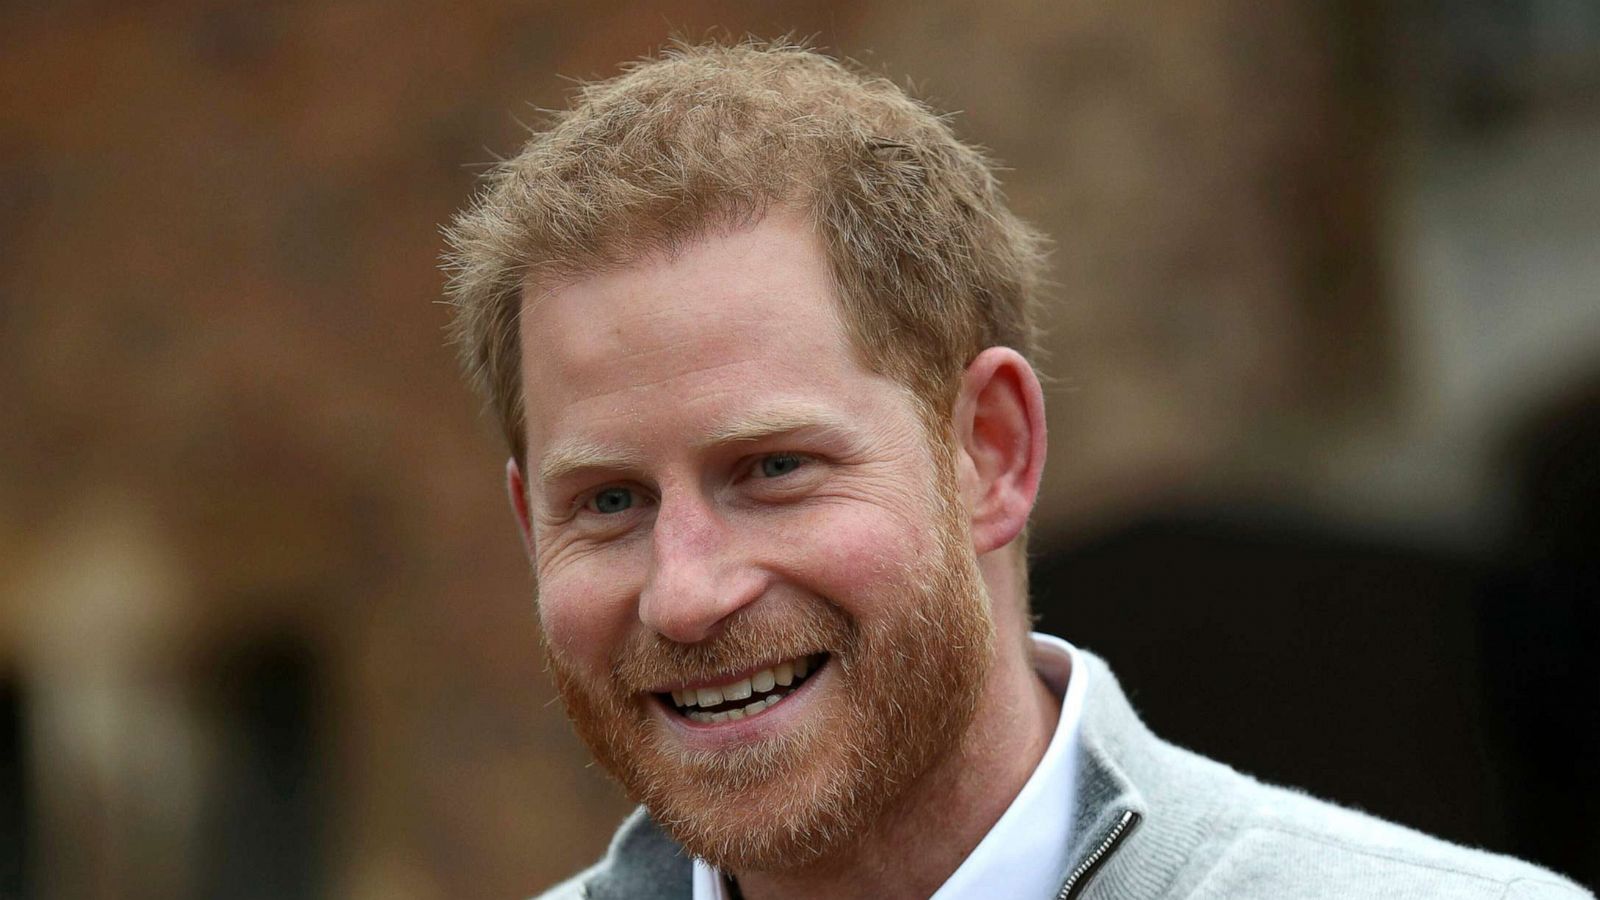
<point x="755" y="582"/>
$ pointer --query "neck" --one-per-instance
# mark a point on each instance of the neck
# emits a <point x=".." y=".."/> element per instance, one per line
<point x="943" y="816"/>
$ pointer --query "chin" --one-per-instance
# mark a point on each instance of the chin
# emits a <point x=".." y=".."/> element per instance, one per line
<point x="794" y="819"/>
<point x="802" y="785"/>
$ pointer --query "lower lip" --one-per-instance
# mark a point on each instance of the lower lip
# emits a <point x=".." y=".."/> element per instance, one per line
<point x="715" y="735"/>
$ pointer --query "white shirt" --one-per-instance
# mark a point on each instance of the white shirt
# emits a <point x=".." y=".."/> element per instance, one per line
<point x="1026" y="851"/>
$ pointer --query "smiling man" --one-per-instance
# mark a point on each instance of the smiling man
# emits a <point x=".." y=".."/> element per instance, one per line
<point x="756" y="571"/>
<point x="758" y="331"/>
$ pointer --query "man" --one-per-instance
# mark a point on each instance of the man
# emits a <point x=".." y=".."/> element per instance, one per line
<point x="758" y="330"/>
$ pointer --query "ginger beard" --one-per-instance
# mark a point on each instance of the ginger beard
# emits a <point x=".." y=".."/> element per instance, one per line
<point x="906" y="689"/>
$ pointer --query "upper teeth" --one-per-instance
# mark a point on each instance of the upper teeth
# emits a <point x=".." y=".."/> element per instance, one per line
<point x="781" y="675"/>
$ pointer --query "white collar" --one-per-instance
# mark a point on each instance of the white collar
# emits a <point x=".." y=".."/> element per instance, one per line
<point x="1026" y="850"/>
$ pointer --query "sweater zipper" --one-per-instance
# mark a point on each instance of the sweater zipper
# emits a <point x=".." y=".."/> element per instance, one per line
<point x="1080" y="876"/>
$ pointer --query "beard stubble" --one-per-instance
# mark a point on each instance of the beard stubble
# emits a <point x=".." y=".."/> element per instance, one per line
<point x="907" y="686"/>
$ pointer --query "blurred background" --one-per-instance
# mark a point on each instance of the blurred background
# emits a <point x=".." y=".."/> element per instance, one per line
<point x="1325" y="415"/>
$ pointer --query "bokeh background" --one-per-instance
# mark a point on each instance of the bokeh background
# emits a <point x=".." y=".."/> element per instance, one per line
<point x="1325" y="415"/>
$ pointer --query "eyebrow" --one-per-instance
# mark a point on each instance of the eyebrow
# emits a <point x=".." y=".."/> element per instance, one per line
<point x="565" y="459"/>
<point x="773" y="423"/>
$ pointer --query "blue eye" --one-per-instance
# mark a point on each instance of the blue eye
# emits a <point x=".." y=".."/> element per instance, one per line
<point x="612" y="500"/>
<point x="777" y="466"/>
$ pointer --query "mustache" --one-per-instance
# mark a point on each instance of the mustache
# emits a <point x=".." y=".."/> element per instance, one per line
<point x="749" y="639"/>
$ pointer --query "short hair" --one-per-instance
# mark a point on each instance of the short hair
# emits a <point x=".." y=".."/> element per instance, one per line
<point x="929" y="264"/>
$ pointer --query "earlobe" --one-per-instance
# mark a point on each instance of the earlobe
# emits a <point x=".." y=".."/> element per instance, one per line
<point x="1000" y="422"/>
<point x="517" y="489"/>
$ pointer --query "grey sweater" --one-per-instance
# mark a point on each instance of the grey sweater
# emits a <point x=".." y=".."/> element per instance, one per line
<point x="1154" y="820"/>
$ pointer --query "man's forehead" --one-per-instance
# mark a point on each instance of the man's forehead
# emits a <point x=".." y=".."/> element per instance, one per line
<point x="774" y="267"/>
<point x="735" y="338"/>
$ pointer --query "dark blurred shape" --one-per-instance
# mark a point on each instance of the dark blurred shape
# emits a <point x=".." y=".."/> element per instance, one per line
<point x="1295" y="653"/>
<point x="264" y="822"/>
<point x="1554" y="457"/>
<point x="1501" y="59"/>
<point x="1363" y="677"/>
<point x="14" y="791"/>
<point x="1541" y="640"/>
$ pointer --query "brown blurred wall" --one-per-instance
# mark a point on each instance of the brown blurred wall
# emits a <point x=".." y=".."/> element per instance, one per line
<point x="228" y="419"/>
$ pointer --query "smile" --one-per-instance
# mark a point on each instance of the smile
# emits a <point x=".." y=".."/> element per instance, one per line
<point x="743" y="697"/>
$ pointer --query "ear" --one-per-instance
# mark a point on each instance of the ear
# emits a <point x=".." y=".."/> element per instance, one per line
<point x="518" y="490"/>
<point x="999" y="424"/>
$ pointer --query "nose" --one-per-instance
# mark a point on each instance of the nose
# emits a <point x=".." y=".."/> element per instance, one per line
<point x="697" y="576"/>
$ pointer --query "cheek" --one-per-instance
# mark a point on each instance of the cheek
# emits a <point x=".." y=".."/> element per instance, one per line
<point x="585" y="612"/>
<point x="849" y="552"/>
